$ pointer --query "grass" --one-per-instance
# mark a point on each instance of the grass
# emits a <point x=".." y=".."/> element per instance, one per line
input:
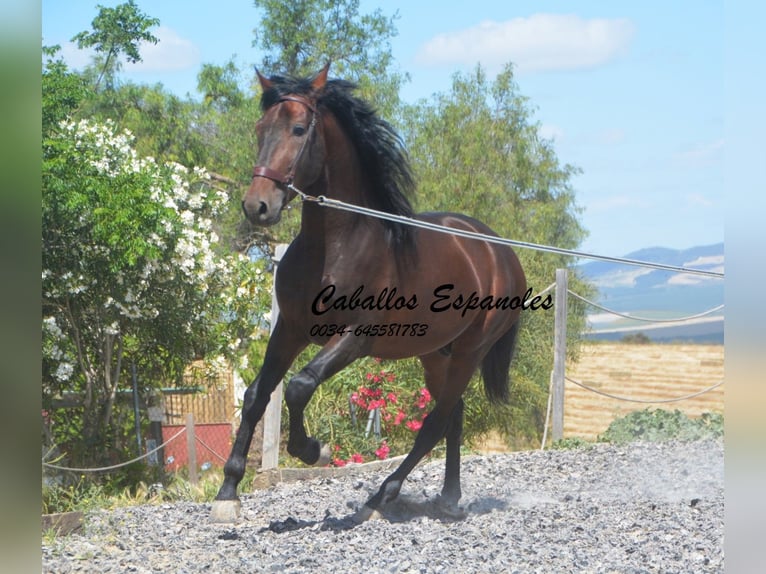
<point x="652" y="426"/>
<point x="88" y="494"/>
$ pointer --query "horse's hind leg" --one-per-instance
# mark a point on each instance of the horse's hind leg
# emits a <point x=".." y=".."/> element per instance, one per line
<point x="435" y="427"/>
<point x="280" y="354"/>
<point x="451" y="492"/>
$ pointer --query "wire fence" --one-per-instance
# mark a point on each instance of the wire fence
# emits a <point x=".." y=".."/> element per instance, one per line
<point x="340" y="205"/>
<point x="675" y="320"/>
<point x="146" y="455"/>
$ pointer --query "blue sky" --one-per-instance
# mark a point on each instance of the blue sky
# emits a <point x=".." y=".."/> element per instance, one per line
<point x="631" y="93"/>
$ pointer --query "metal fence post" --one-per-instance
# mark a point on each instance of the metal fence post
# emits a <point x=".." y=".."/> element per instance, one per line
<point x="191" y="449"/>
<point x="559" y="354"/>
<point x="272" y="418"/>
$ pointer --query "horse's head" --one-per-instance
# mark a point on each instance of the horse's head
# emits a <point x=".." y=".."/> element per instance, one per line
<point x="291" y="151"/>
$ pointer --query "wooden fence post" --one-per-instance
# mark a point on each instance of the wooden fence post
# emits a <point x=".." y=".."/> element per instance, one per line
<point x="191" y="449"/>
<point x="272" y="418"/>
<point x="559" y="354"/>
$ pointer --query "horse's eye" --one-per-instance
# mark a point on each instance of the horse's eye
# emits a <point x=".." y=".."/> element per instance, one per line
<point x="298" y="130"/>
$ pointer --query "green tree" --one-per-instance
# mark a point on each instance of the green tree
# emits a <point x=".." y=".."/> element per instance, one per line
<point x="476" y="150"/>
<point x="164" y="126"/>
<point x="132" y="272"/>
<point x="117" y="31"/>
<point x="299" y="38"/>
<point x="62" y="90"/>
<point x="219" y="86"/>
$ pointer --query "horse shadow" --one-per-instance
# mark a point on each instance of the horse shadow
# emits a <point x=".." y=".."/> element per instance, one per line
<point x="403" y="509"/>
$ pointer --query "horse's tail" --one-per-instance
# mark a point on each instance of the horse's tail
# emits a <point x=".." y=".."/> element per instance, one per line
<point x="497" y="362"/>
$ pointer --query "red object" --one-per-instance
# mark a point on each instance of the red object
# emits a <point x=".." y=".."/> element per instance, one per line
<point x="215" y="437"/>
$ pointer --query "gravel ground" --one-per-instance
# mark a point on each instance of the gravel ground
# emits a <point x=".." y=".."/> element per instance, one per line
<point x="644" y="507"/>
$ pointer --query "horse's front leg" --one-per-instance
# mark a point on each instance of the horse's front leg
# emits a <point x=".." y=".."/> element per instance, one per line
<point x="280" y="354"/>
<point x="338" y="352"/>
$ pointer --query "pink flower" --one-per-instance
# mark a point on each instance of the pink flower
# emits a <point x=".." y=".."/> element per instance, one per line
<point x="376" y="404"/>
<point x="338" y="462"/>
<point x="424" y="398"/>
<point x="400" y="416"/>
<point x="382" y="452"/>
<point x="391" y="398"/>
<point x="356" y="457"/>
<point x="414" y="426"/>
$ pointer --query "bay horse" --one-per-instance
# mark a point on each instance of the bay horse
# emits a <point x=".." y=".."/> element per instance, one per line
<point x="360" y="286"/>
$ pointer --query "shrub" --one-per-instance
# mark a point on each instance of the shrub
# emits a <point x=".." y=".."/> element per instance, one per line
<point x="660" y="425"/>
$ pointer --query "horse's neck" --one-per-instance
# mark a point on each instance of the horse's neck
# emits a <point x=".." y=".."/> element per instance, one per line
<point x="328" y="229"/>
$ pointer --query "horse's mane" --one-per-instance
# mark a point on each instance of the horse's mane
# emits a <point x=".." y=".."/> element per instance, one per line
<point x="381" y="150"/>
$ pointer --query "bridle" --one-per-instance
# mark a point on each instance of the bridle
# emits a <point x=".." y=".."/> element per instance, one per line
<point x="287" y="178"/>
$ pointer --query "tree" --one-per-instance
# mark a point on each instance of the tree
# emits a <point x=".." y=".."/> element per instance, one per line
<point x="132" y="272"/>
<point x="299" y="38"/>
<point x="477" y="151"/>
<point x="117" y="31"/>
<point x="62" y="90"/>
<point x="219" y="86"/>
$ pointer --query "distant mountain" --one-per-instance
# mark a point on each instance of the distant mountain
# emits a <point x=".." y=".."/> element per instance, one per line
<point x="655" y="293"/>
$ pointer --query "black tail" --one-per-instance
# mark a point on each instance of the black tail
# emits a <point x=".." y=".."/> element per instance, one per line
<point x="495" y="366"/>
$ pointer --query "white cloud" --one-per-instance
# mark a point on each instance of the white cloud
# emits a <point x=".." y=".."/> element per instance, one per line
<point x="705" y="260"/>
<point x="701" y="154"/>
<point x="171" y="53"/>
<point x="551" y="132"/>
<point x="539" y="42"/>
<point x="616" y="202"/>
<point x="610" y="136"/>
<point x="621" y="278"/>
<point x="686" y="279"/>
<point x="698" y="199"/>
<point x="74" y="57"/>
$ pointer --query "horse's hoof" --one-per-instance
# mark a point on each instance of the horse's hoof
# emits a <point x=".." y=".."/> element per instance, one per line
<point x="225" y="510"/>
<point x="325" y="456"/>
<point x="366" y="513"/>
<point x="449" y="508"/>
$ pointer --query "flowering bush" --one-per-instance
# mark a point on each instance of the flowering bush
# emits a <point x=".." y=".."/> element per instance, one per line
<point x="341" y="408"/>
<point x="133" y="270"/>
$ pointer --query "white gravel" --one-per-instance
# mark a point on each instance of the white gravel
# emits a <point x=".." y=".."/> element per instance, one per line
<point x="643" y="507"/>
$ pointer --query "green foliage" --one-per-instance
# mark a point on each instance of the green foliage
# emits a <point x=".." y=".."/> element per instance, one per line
<point x="636" y="339"/>
<point x="91" y="492"/>
<point x="220" y="86"/>
<point x="132" y="273"/>
<point x="477" y="151"/>
<point x="117" y="31"/>
<point x="62" y="90"/>
<point x="661" y="425"/>
<point x="474" y="149"/>
<point x="571" y="443"/>
<point x="395" y="387"/>
<point x="299" y="38"/>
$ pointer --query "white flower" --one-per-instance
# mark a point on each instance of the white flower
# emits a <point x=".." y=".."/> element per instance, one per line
<point x="64" y="372"/>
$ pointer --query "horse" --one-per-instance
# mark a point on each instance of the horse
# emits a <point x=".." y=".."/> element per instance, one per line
<point x="361" y="286"/>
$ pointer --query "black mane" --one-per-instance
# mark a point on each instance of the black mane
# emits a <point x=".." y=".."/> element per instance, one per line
<point x="381" y="150"/>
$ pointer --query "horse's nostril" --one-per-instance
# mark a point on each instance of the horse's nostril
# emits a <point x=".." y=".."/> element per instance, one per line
<point x="262" y="209"/>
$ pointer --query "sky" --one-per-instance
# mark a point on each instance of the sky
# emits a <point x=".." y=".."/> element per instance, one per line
<point x="633" y="94"/>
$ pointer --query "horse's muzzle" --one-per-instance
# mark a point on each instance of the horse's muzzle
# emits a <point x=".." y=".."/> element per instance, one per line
<point x="260" y="214"/>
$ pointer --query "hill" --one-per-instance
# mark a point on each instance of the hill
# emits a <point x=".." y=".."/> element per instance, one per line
<point x="653" y="293"/>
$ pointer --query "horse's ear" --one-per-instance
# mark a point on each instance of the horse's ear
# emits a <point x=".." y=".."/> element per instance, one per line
<point x="263" y="80"/>
<point x="321" y="78"/>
